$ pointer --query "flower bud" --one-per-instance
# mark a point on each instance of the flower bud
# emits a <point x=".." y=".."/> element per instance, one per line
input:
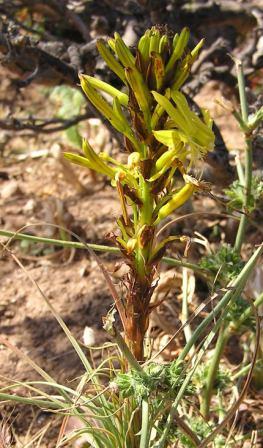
<point x="134" y="159"/>
<point x="177" y="201"/>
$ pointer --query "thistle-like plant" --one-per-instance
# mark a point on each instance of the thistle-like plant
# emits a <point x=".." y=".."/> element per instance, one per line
<point x="161" y="135"/>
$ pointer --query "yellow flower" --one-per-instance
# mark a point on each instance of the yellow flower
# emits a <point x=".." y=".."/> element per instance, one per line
<point x="196" y="134"/>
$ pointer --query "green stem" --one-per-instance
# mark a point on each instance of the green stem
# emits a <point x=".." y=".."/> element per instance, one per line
<point x="242" y="90"/>
<point x="145" y="219"/>
<point x="240" y="171"/>
<point x="212" y="372"/>
<point x="223" y="337"/>
<point x="147" y="207"/>
<point x="55" y="242"/>
<point x="184" y="264"/>
<point x="185" y="313"/>
<point x="145" y="424"/>
<point x="95" y="247"/>
<point x="248" y="158"/>
<point x="244" y="370"/>
<point x="247" y="193"/>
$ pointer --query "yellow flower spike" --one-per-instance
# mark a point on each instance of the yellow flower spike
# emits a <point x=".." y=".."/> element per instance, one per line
<point x="184" y="110"/>
<point x="111" y="61"/>
<point x="180" y="46"/>
<point x="107" y="88"/>
<point x="124" y="54"/>
<point x="177" y="201"/>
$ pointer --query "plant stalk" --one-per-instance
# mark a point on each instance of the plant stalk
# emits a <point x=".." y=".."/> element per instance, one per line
<point x="145" y="424"/>
<point x="248" y="158"/>
<point x="247" y="193"/>
<point x="212" y="372"/>
<point x="96" y="247"/>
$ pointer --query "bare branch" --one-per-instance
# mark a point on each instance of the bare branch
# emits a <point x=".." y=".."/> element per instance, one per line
<point x="40" y="125"/>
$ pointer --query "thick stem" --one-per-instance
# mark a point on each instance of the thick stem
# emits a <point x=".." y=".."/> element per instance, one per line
<point x="138" y="298"/>
<point x="137" y="316"/>
<point x="134" y="333"/>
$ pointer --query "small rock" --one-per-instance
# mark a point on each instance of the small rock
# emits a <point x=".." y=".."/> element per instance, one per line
<point x="29" y="206"/>
<point x="89" y="336"/>
<point x="9" y="314"/>
<point x="9" y="189"/>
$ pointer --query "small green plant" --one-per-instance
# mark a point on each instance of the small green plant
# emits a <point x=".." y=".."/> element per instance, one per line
<point x="235" y="194"/>
<point x="225" y="264"/>
<point x="71" y="102"/>
<point x="157" y="380"/>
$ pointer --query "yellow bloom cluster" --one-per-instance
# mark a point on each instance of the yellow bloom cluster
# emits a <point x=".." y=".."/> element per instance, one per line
<point x="160" y="131"/>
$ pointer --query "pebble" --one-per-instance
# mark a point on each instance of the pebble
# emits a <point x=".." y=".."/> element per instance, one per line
<point x="9" y="189"/>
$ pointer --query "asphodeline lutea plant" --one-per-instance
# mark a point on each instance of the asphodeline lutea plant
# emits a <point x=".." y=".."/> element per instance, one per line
<point x="161" y="134"/>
